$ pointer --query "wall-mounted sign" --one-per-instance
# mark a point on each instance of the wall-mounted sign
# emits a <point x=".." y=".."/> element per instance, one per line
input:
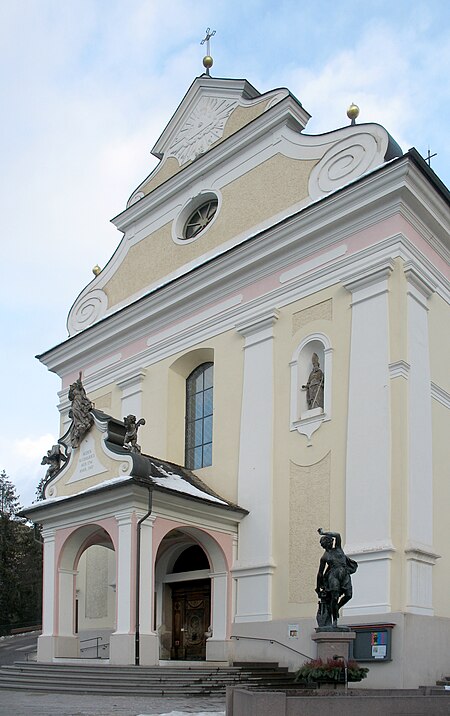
<point x="293" y="631"/>
<point x="373" y="642"/>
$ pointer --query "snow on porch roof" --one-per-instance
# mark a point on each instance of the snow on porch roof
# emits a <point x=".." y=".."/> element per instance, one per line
<point x="162" y="475"/>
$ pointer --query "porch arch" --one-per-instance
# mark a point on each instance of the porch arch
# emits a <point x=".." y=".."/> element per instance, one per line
<point x="70" y="552"/>
<point x="171" y="545"/>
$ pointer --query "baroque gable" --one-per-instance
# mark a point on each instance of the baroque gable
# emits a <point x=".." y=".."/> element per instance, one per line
<point x="245" y="155"/>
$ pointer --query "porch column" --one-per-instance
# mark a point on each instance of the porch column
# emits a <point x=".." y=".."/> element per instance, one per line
<point x="217" y="646"/>
<point x="368" y="476"/>
<point x="122" y="640"/>
<point x="254" y="567"/>
<point x="46" y="642"/>
<point x="148" y="639"/>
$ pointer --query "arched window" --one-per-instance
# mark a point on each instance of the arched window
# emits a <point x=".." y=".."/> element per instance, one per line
<point x="199" y="416"/>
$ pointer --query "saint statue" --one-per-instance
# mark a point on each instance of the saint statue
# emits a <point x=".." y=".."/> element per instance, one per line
<point x="314" y="386"/>
<point x="334" y="584"/>
<point x="80" y="412"/>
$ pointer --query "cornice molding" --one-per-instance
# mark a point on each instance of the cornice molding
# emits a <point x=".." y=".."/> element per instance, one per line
<point x="418" y="280"/>
<point x="219" y="278"/>
<point x="399" y="369"/>
<point x="441" y="395"/>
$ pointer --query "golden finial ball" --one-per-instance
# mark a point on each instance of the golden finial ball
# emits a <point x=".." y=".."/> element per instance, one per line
<point x="96" y="270"/>
<point x="207" y="61"/>
<point x="353" y="112"/>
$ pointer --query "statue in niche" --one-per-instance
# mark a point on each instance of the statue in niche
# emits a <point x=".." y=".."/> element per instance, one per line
<point x="53" y="459"/>
<point x="314" y="386"/>
<point x="80" y="412"/>
<point x="334" y="584"/>
<point x="132" y="427"/>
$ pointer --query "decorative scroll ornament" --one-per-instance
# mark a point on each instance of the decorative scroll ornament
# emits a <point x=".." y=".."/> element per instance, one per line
<point x="344" y="161"/>
<point x="80" y="412"/>
<point x="204" y="126"/>
<point x="88" y="309"/>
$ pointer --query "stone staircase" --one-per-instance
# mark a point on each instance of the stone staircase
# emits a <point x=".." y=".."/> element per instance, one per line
<point x="174" y="680"/>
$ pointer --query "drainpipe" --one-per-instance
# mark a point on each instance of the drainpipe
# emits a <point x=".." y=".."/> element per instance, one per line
<point x="138" y="572"/>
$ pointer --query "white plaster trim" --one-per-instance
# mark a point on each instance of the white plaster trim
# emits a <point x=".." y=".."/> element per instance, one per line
<point x="421" y="554"/>
<point x="131" y="384"/>
<point x="106" y="363"/>
<point x="157" y="310"/>
<point x="346" y="160"/>
<point x="369" y="282"/>
<point x="252" y="570"/>
<point x="257" y="329"/>
<point x="419" y="281"/>
<point x="399" y="369"/>
<point x="186" y="576"/>
<point x="313" y="263"/>
<point x="356" y="610"/>
<point x="441" y="395"/>
<point x="207" y="314"/>
<point x="370" y="552"/>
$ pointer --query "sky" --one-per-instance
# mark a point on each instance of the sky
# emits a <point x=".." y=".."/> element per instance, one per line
<point x="86" y="88"/>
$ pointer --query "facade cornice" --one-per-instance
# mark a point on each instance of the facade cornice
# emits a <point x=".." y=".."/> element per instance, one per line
<point x="318" y="227"/>
<point x="68" y="360"/>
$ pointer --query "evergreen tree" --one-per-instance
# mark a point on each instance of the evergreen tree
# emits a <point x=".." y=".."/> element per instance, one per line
<point x="9" y="502"/>
<point x="20" y="564"/>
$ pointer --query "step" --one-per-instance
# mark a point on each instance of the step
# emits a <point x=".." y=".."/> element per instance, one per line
<point x="178" y="680"/>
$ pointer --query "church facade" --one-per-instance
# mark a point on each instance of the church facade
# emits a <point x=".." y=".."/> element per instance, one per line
<point x="277" y="313"/>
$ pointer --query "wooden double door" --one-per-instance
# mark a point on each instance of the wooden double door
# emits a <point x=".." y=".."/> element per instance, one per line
<point x="191" y="617"/>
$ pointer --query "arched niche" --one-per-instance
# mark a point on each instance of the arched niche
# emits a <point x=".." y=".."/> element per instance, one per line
<point x="304" y="419"/>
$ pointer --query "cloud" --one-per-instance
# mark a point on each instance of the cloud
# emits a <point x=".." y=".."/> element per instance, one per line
<point x="23" y="466"/>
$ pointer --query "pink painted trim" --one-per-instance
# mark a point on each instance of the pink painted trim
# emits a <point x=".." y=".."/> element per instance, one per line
<point x="62" y="538"/>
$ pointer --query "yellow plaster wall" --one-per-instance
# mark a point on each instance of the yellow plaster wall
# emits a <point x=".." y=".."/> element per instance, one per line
<point x="441" y="501"/>
<point x="297" y="515"/>
<point x="164" y="171"/>
<point x="240" y="117"/>
<point x="164" y="408"/>
<point x="266" y="190"/>
<point x="439" y="334"/>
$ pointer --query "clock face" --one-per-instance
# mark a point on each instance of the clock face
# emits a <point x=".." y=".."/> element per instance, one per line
<point x="204" y="126"/>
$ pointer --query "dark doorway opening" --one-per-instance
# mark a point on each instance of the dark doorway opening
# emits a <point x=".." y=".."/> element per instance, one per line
<point x="191" y="617"/>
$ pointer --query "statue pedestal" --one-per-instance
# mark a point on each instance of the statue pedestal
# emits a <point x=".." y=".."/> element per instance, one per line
<point x="333" y="643"/>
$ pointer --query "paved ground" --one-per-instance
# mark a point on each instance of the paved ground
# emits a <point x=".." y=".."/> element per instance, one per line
<point x="18" y="703"/>
<point x="28" y="703"/>
<point x="15" y="648"/>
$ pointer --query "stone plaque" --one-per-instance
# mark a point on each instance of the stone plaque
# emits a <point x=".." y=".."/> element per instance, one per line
<point x="88" y="462"/>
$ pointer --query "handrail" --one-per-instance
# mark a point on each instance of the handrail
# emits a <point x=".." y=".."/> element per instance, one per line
<point x="97" y="639"/>
<point x="272" y="641"/>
